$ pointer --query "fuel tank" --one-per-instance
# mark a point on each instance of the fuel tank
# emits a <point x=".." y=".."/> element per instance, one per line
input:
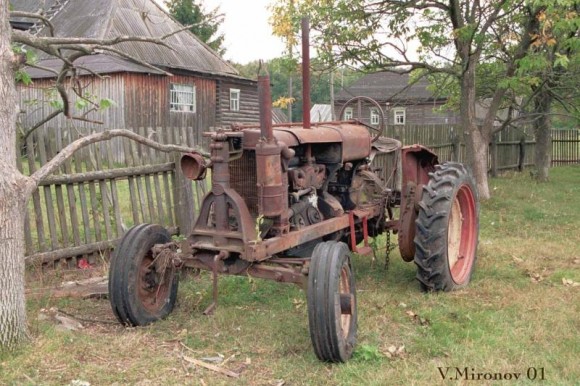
<point x="350" y="141"/>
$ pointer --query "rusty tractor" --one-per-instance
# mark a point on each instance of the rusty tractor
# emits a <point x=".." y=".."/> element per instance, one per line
<point x="291" y="203"/>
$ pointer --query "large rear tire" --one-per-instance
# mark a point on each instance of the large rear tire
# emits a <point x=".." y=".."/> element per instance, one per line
<point x="447" y="229"/>
<point x="332" y="314"/>
<point x="141" y="290"/>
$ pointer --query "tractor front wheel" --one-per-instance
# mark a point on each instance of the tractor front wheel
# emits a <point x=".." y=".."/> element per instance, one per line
<point x="142" y="287"/>
<point x="447" y="229"/>
<point x="332" y="314"/>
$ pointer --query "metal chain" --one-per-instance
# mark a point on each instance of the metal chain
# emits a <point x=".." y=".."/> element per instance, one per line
<point x="388" y="252"/>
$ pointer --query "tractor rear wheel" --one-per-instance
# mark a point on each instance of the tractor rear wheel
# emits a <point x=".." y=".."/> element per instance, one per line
<point x="447" y="229"/>
<point x="142" y="289"/>
<point x="332" y="314"/>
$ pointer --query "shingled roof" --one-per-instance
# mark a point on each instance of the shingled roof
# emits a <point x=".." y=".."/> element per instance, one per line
<point x="105" y="19"/>
<point x="388" y="86"/>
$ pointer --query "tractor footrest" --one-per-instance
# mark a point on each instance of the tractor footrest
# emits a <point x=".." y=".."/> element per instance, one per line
<point x="366" y="249"/>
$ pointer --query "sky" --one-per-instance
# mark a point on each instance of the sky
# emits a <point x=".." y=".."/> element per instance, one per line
<point x="248" y="36"/>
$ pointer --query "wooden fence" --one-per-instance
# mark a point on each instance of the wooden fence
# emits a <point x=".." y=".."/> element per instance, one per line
<point x="566" y="147"/>
<point x="512" y="148"/>
<point x="85" y="207"/>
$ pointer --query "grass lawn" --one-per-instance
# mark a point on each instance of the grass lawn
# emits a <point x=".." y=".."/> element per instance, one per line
<point x="519" y="319"/>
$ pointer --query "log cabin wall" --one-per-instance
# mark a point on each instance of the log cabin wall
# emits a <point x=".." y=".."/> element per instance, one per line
<point x="248" y="113"/>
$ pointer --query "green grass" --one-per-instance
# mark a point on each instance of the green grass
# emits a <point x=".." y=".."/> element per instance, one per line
<point x="516" y="314"/>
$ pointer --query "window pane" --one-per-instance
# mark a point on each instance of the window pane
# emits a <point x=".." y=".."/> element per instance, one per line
<point x="374" y="117"/>
<point x="234" y="99"/>
<point x="182" y="97"/>
<point x="348" y="114"/>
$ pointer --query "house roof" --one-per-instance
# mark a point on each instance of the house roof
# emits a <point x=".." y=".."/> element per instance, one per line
<point x="278" y="116"/>
<point x="321" y="113"/>
<point x="388" y="86"/>
<point x="104" y="19"/>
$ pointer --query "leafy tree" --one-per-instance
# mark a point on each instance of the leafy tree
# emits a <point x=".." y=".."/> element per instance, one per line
<point x="203" y="24"/>
<point x="453" y="38"/>
<point x="554" y="63"/>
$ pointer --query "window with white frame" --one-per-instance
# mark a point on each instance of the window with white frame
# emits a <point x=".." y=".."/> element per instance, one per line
<point x="374" y="117"/>
<point x="182" y="97"/>
<point x="399" y="115"/>
<point x="234" y="99"/>
<point x="348" y="113"/>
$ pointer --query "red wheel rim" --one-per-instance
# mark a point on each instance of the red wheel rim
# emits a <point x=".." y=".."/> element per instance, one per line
<point x="461" y="235"/>
<point x="153" y="287"/>
<point x="346" y="300"/>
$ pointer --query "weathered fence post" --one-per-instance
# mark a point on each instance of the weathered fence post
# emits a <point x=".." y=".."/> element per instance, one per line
<point x="455" y="145"/>
<point x="494" y="155"/>
<point x="522" y="153"/>
<point x="183" y="198"/>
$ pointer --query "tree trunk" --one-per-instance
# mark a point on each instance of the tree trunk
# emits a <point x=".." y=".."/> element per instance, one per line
<point x="14" y="190"/>
<point x="13" y="327"/>
<point x="476" y="140"/>
<point x="543" y="153"/>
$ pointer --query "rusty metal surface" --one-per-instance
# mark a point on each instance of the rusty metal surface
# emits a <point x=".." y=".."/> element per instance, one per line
<point x="266" y="248"/>
<point x="265" y="101"/>
<point x="224" y="221"/>
<point x="193" y="166"/>
<point x="307" y="176"/>
<point x="306" y="72"/>
<point x="243" y="179"/>
<point x="417" y="162"/>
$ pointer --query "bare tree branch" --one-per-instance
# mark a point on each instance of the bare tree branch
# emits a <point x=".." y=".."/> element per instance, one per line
<point x="39" y="16"/>
<point x="70" y="149"/>
<point x="42" y="122"/>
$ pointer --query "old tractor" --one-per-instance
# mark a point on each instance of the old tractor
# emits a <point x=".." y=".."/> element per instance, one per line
<point x="291" y="203"/>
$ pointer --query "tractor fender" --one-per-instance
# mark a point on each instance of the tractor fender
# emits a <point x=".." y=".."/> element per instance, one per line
<point x="417" y="162"/>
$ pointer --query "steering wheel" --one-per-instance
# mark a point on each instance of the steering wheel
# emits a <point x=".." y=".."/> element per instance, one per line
<point x="375" y="131"/>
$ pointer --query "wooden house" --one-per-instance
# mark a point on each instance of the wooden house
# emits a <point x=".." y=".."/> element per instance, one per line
<point x="204" y="90"/>
<point x="403" y="103"/>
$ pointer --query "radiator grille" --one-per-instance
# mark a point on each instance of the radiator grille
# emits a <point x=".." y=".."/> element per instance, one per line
<point x="244" y="181"/>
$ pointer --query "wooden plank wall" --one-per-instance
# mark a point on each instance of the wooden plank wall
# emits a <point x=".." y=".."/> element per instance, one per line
<point x="87" y="205"/>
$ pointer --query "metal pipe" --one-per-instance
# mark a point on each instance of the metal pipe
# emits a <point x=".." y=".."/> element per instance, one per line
<point x="305" y="73"/>
<point x="265" y="101"/>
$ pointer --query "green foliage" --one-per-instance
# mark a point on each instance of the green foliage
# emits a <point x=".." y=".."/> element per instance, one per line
<point x="105" y="103"/>
<point x="30" y="57"/>
<point x="204" y="24"/>
<point x="280" y="69"/>
<point x="367" y="353"/>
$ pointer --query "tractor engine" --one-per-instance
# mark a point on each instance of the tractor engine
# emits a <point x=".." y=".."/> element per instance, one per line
<point x="299" y="177"/>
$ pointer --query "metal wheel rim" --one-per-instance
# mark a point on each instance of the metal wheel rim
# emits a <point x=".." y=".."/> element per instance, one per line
<point x="461" y="234"/>
<point x="345" y="289"/>
<point x="153" y="288"/>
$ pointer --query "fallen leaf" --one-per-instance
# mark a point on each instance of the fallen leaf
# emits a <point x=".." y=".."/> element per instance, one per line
<point x="570" y="283"/>
<point x="394" y="351"/>
<point x="535" y="277"/>
<point x="418" y="319"/>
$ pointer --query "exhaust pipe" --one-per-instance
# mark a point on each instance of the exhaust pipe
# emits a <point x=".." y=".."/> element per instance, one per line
<point x="305" y="73"/>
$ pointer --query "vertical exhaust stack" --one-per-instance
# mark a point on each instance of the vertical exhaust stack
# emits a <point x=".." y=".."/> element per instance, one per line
<point x="265" y="101"/>
<point x="305" y="73"/>
<point x="271" y="179"/>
